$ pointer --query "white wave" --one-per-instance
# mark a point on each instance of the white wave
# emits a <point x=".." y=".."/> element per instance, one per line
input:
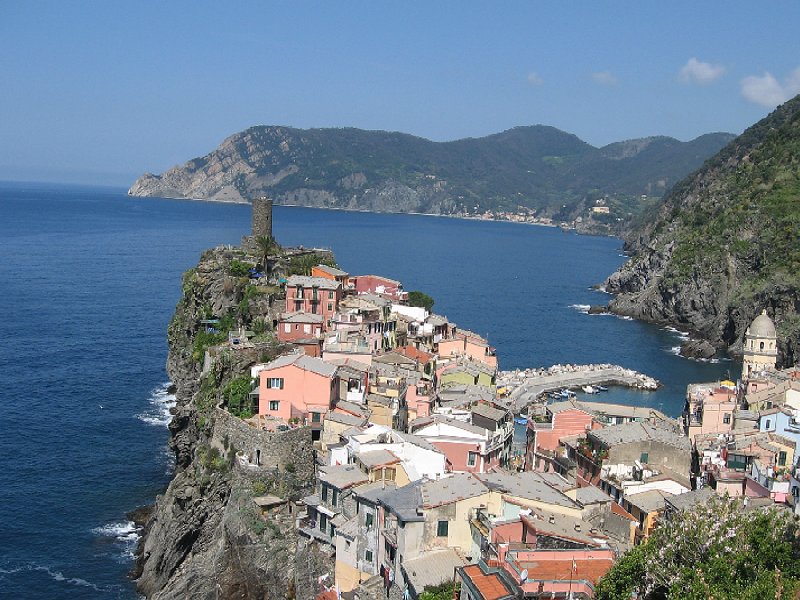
<point x="584" y="308"/>
<point x="625" y="317"/>
<point x="678" y="333"/>
<point x="161" y="401"/>
<point x="126" y="533"/>
<point x="56" y="576"/>
<point x="676" y="350"/>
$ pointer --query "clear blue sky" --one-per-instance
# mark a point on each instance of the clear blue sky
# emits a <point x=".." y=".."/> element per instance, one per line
<point x="104" y="91"/>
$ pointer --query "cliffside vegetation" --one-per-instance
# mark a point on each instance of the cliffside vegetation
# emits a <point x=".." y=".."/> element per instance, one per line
<point x="726" y="241"/>
<point x="538" y="168"/>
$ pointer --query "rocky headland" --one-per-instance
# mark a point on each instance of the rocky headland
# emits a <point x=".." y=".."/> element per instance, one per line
<point x="204" y="537"/>
<point x="725" y="244"/>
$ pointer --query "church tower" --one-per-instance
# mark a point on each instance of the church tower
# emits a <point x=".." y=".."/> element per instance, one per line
<point x="760" y="351"/>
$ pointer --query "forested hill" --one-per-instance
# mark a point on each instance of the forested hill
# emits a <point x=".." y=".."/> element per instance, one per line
<point x="725" y="243"/>
<point x="539" y="168"/>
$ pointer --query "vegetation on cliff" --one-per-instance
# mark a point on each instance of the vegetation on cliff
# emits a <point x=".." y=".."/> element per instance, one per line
<point x="726" y="241"/>
<point x="538" y="168"/>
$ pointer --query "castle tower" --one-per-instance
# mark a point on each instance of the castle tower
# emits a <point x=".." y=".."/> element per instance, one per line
<point x="760" y="351"/>
<point x="262" y="216"/>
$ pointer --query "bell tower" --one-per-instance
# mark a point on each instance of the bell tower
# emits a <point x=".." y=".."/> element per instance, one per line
<point x="262" y="217"/>
<point x="760" y="351"/>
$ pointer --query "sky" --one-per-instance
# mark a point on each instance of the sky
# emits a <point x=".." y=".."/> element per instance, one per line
<point x="101" y="92"/>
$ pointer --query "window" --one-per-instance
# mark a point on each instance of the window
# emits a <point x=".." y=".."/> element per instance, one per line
<point x="368" y="556"/>
<point x="299" y="292"/>
<point x="330" y="305"/>
<point x="316" y="417"/>
<point x="726" y="418"/>
<point x="330" y="295"/>
<point x="323" y="522"/>
<point x="368" y="520"/>
<point x="766" y="424"/>
<point x="781" y="458"/>
<point x="441" y="528"/>
<point x="306" y="328"/>
<point x="644" y="458"/>
<point x="313" y="309"/>
<point x="324" y="493"/>
<point x="472" y="459"/>
<point x="335" y="498"/>
<point x="287" y="328"/>
<point x="274" y="405"/>
<point x="275" y="383"/>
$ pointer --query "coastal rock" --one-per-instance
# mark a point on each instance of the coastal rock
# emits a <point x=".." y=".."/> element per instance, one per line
<point x="697" y="349"/>
<point x="598" y="309"/>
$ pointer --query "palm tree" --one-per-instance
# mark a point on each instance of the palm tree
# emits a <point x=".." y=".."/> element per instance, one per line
<point x="266" y="247"/>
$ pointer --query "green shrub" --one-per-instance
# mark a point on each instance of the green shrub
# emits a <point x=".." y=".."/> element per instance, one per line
<point x="238" y="268"/>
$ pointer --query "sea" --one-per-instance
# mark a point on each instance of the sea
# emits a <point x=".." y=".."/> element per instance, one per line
<point x="89" y="278"/>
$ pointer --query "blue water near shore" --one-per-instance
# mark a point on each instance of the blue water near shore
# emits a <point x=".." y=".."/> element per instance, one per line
<point x="89" y="279"/>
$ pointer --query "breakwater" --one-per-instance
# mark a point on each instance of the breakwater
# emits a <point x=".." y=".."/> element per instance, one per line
<point x="526" y="385"/>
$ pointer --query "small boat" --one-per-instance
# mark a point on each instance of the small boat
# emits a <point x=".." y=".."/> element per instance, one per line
<point x="589" y="389"/>
<point x="567" y="394"/>
<point x="521" y="420"/>
<point x="601" y="388"/>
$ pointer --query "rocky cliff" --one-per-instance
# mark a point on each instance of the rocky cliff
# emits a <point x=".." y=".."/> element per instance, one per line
<point x="725" y="244"/>
<point x="540" y="168"/>
<point x="205" y="538"/>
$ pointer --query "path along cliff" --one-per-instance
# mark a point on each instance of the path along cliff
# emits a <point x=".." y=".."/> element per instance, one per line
<point x="205" y="537"/>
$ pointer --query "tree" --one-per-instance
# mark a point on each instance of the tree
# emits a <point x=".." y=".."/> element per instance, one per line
<point x="266" y="248"/>
<point x="417" y="298"/>
<point x="716" y="550"/>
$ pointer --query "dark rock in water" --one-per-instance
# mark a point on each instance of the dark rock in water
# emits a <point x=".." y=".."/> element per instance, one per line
<point x="598" y="309"/>
<point x="172" y="388"/>
<point x="697" y="349"/>
<point x="140" y="516"/>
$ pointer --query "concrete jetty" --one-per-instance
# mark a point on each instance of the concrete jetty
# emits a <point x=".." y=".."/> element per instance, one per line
<point x="528" y="384"/>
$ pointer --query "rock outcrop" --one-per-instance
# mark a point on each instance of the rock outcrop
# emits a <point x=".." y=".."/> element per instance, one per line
<point x="205" y="538"/>
<point x="725" y="244"/>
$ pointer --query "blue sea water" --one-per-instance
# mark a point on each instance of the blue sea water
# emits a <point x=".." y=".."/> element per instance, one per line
<point x="89" y="279"/>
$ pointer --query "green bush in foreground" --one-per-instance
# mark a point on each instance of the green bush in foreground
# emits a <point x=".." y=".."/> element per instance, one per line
<point x="717" y="550"/>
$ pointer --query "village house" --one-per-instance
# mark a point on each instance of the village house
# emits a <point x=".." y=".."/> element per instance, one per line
<point x="315" y="295"/>
<point x="296" y="326"/>
<point x="390" y="289"/>
<point x="467" y="372"/>
<point x="545" y="431"/>
<point x="332" y="273"/>
<point x="709" y="408"/>
<point x="466" y="343"/>
<point x="418" y="457"/>
<point x="468" y="447"/>
<point x="333" y="504"/>
<point x="297" y="387"/>
<point x="368" y="317"/>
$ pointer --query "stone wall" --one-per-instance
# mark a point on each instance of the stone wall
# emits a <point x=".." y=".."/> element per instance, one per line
<point x="288" y="450"/>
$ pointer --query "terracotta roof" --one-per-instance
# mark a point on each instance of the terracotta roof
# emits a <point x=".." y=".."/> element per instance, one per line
<point x="414" y="353"/>
<point x="490" y="585"/>
<point x="588" y="569"/>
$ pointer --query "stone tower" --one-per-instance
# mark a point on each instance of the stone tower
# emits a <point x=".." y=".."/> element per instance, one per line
<point x="262" y="216"/>
<point x="760" y="351"/>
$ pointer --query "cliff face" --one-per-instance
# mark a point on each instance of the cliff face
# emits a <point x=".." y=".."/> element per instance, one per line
<point x="725" y="244"/>
<point x="539" y="167"/>
<point x="205" y="538"/>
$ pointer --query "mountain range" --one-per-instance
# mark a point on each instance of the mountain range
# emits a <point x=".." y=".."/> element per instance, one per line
<point x="524" y="169"/>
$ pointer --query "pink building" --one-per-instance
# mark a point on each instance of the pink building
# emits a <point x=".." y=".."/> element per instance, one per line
<point x="562" y="419"/>
<point x="469" y="448"/>
<point x="315" y="295"/>
<point x="296" y="386"/>
<point x="467" y="343"/>
<point x="382" y="286"/>
<point x="296" y="326"/>
<point x="709" y="409"/>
